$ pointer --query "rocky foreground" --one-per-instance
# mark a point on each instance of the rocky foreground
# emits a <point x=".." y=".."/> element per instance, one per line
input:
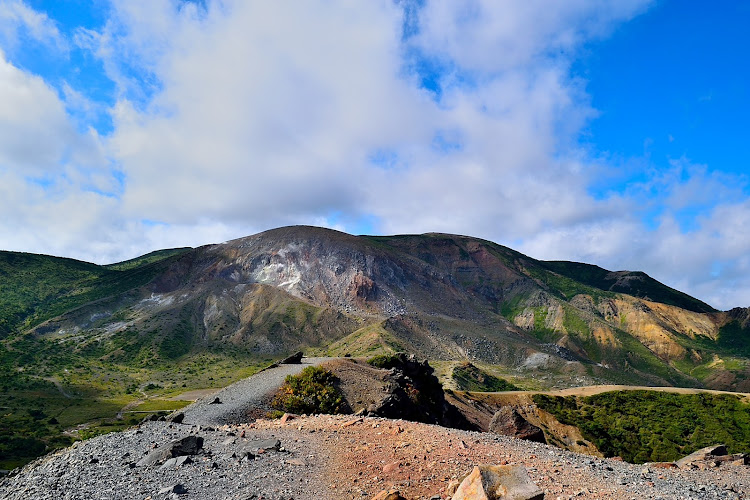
<point x="337" y="457"/>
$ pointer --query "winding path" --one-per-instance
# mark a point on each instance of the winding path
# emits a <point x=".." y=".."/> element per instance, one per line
<point x="245" y="395"/>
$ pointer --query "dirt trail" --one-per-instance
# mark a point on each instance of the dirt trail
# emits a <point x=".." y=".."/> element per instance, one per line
<point x="591" y="390"/>
<point x="236" y="401"/>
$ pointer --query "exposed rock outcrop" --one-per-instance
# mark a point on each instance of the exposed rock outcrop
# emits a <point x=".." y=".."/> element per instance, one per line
<point x="508" y="422"/>
<point x="712" y="456"/>
<point x="414" y="393"/>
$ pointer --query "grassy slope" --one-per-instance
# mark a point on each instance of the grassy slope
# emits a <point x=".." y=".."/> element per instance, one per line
<point x="149" y="258"/>
<point x="637" y="284"/>
<point x="34" y="288"/>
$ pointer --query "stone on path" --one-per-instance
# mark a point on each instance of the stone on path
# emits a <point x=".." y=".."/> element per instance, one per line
<point x="493" y="482"/>
<point x="175" y="488"/>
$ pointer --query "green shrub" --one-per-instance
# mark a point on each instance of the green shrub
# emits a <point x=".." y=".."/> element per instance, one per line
<point x="386" y="361"/>
<point x="312" y="391"/>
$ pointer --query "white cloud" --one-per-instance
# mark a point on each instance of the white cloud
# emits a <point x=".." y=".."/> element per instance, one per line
<point x="18" y="21"/>
<point x="34" y="130"/>
<point x="248" y="115"/>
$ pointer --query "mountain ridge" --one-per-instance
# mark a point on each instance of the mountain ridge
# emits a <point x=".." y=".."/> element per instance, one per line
<point x="436" y="294"/>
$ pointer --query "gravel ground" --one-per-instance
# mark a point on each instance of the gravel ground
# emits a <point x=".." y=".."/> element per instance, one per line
<point x="247" y="396"/>
<point x="342" y="457"/>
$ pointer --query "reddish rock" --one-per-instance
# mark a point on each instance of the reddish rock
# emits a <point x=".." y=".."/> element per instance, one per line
<point x="388" y="468"/>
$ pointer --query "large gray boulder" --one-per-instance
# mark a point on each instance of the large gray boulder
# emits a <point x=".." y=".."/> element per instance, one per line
<point x="188" y="445"/>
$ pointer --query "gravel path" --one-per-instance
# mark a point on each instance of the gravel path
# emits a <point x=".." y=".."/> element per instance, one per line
<point x="243" y="397"/>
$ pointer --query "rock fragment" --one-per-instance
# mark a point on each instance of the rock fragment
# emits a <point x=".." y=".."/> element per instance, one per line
<point x="493" y="482"/>
<point x="188" y="445"/>
<point x="178" y="489"/>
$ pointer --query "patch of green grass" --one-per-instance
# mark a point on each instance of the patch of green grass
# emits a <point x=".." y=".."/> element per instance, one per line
<point x="34" y="288"/>
<point x="513" y="307"/>
<point x="161" y="405"/>
<point x="386" y="361"/>
<point x="471" y="378"/>
<point x="650" y="426"/>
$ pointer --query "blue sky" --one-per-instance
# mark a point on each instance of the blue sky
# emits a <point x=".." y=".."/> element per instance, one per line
<point x="606" y="132"/>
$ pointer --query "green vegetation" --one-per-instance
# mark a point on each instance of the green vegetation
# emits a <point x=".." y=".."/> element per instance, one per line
<point x="312" y="391"/>
<point x="50" y="395"/>
<point x="650" y="426"/>
<point x="733" y="339"/>
<point x="34" y="288"/>
<point x="369" y="340"/>
<point x="470" y="378"/>
<point x="386" y="361"/>
<point x="149" y="258"/>
<point x="571" y="275"/>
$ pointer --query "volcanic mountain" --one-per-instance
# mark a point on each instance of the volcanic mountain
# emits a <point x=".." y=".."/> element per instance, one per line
<point x="440" y="296"/>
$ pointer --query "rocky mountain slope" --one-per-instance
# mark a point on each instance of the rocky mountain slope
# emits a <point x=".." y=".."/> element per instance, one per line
<point x="439" y="296"/>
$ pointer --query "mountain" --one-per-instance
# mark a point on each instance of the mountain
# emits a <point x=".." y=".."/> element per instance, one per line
<point x="444" y="297"/>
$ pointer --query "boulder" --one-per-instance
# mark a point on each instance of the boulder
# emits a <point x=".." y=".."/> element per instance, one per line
<point x="508" y="422"/>
<point x="492" y="482"/>
<point x="188" y="445"/>
<point x="294" y="359"/>
<point x="176" y="418"/>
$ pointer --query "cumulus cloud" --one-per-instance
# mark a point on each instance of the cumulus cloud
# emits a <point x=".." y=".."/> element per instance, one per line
<point x="18" y="22"/>
<point x="231" y="117"/>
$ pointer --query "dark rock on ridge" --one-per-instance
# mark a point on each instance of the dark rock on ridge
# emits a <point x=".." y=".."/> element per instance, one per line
<point x="508" y="422"/>
<point x="414" y="393"/>
<point x="294" y="359"/>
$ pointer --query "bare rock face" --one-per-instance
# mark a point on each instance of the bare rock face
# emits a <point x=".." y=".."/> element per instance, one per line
<point x="508" y="422"/>
<point x="492" y="482"/>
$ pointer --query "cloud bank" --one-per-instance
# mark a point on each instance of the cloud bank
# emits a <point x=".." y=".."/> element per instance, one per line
<point x="231" y="117"/>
